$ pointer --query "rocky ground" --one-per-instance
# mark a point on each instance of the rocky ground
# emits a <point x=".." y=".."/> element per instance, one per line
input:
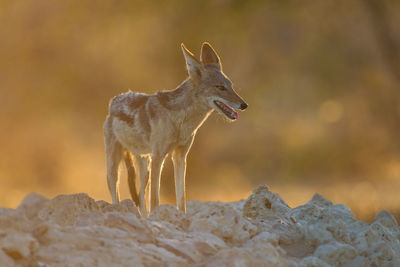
<point x="76" y="230"/>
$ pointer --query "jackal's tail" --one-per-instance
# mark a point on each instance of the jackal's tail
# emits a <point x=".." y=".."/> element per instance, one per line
<point x="131" y="177"/>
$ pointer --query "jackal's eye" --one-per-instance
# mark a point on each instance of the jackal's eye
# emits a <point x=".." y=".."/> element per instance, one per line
<point x="221" y="87"/>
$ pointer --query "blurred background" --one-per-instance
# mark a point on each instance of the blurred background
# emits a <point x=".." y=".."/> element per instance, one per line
<point x="321" y="79"/>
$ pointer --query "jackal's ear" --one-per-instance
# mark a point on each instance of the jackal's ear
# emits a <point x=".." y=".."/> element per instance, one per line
<point x="192" y="64"/>
<point x="209" y="56"/>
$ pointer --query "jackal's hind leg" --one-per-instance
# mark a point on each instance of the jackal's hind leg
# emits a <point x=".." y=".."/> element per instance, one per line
<point x="131" y="177"/>
<point x="114" y="152"/>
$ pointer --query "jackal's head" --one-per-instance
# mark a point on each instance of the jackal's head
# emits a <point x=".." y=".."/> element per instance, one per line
<point x="212" y="86"/>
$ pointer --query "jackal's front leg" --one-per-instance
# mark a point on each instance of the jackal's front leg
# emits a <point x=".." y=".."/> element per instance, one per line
<point x="155" y="173"/>
<point x="179" y="160"/>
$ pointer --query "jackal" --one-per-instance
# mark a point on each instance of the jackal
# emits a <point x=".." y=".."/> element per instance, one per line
<point x="144" y="128"/>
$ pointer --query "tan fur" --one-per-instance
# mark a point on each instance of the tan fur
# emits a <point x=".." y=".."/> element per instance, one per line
<point x="148" y="127"/>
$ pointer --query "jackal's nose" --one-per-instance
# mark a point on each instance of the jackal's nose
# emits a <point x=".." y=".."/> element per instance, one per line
<point x="243" y="106"/>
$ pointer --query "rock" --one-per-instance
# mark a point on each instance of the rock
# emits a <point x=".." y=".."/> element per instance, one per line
<point x="263" y="204"/>
<point x="5" y="260"/>
<point x="266" y="255"/>
<point x="312" y="261"/>
<point x="18" y="245"/>
<point x="13" y="220"/>
<point x="195" y="247"/>
<point x="262" y="239"/>
<point x="336" y="254"/>
<point x="125" y="206"/>
<point x="358" y="261"/>
<point x="169" y="213"/>
<point x="222" y="220"/>
<point x="65" y="209"/>
<point x="75" y="230"/>
<point x="136" y="228"/>
<point x="184" y="249"/>
<point x="320" y="201"/>
<point x="105" y="246"/>
<point x="318" y="210"/>
<point x="207" y="243"/>
<point x="386" y="219"/>
<point x="32" y="204"/>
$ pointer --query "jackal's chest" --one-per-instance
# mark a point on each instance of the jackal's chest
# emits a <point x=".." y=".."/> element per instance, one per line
<point x="185" y="134"/>
<point x="188" y="128"/>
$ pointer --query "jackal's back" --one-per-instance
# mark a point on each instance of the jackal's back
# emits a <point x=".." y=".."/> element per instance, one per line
<point x="130" y="122"/>
<point x="124" y="106"/>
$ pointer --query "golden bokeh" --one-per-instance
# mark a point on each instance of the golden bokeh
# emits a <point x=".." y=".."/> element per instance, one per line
<point x="320" y="77"/>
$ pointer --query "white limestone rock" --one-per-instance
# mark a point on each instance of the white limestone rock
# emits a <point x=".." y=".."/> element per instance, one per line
<point x="336" y="254"/>
<point x="387" y="220"/>
<point x="170" y="214"/>
<point x="312" y="261"/>
<point x="75" y="230"/>
<point x="264" y="204"/>
<point x="31" y="205"/>
<point x="266" y="255"/>
<point x="13" y="220"/>
<point x="222" y="220"/>
<point x="65" y="209"/>
<point x="18" y="245"/>
<point x="125" y="206"/>
<point x="6" y="260"/>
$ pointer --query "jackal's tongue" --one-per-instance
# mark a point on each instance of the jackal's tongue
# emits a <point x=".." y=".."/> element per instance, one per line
<point x="235" y="114"/>
<point x="232" y="114"/>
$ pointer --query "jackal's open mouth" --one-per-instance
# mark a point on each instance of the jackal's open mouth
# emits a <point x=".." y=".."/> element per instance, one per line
<point x="228" y="111"/>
